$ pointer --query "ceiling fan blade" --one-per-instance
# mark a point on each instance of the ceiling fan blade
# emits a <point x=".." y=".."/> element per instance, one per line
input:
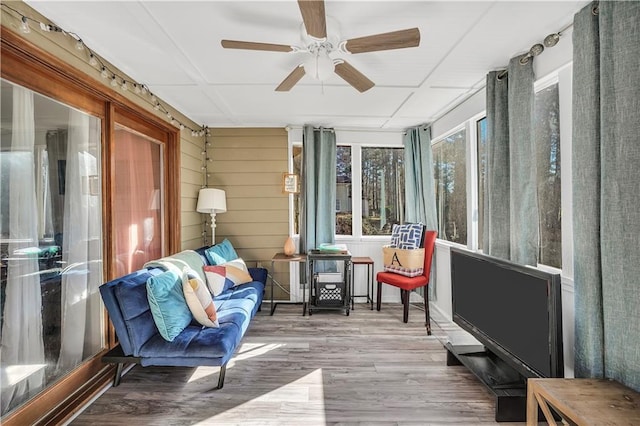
<point x="313" y="15"/>
<point x="291" y="80"/>
<point x="252" y="45"/>
<point x="386" y="41"/>
<point x="354" y="77"/>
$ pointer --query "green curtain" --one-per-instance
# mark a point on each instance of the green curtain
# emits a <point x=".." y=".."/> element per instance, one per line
<point x="419" y="185"/>
<point x="318" y="221"/>
<point x="496" y="199"/>
<point x="606" y="190"/>
<point x="523" y="193"/>
<point x="511" y="208"/>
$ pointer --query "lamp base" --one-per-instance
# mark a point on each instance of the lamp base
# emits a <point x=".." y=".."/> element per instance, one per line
<point x="213" y="229"/>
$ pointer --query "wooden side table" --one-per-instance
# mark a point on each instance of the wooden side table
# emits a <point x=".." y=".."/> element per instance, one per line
<point x="583" y="402"/>
<point x="362" y="261"/>
<point x="278" y="258"/>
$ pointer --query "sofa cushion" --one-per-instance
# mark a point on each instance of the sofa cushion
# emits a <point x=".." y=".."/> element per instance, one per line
<point x="197" y="345"/>
<point x="121" y="312"/>
<point x="220" y="253"/>
<point x="131" y="295"/>
<point x="252" y="291"/>
<point x="199" y="299"/>
<point x="168" y="305"/>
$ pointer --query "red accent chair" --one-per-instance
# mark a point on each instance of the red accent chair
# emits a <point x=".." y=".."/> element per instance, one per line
<point x="406" y="284"/>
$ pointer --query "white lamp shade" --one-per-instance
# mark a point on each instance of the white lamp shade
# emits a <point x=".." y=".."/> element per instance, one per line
<point x="211" y="200"/>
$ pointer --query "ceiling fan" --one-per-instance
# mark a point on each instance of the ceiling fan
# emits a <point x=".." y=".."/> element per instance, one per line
<point x="320" y="38"/>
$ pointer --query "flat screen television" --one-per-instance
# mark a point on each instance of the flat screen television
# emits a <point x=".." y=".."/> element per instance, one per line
<point x="515" y="311"/>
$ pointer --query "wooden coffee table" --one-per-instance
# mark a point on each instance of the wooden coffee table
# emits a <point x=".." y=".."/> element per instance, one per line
<point x="583" y="402"/>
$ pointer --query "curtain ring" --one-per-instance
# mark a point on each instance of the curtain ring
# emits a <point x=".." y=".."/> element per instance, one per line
<point x="595" y="9"/>
<point x="525" y="59"/>
<point x="536" y="49"/>
<point x="502" y="74"/>
<point x="552" y="39"/>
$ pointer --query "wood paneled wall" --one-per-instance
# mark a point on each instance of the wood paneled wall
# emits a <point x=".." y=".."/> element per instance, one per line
<point x="248" y="164"/>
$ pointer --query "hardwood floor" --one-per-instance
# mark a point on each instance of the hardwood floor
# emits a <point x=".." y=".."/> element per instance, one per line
<point x="366" y="368"/>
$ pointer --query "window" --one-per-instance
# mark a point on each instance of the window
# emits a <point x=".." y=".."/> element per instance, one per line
<point x="547" y="142"/>
<point x="378" y="182"/>
<point x="344" y="205"/>
<point x="382" y="189"/>
<point x="451" y="194"/>
<point x="137" y="214"/>
<point x="481" y="134"/>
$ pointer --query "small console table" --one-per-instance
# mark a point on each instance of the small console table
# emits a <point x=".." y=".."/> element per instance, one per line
<point x="278" y="258"/>
<point x="582" y="402"/>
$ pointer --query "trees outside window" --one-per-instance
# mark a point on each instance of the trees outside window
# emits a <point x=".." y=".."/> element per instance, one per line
<point x="451" y="193"/>
<point x="547" y="143"/>
<point x="382" y="189"/>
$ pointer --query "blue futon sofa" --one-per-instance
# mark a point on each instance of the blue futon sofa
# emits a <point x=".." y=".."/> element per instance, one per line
<point x="140" y="341"/>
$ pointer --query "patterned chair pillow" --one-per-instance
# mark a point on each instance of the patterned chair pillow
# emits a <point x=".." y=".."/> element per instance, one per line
<point x="407" y="236"/>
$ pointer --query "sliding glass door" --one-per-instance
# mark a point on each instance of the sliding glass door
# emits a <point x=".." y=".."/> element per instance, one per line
<point x="51" y="316"/>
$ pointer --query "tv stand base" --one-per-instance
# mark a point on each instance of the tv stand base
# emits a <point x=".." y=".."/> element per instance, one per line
<point x="504" y="382"/>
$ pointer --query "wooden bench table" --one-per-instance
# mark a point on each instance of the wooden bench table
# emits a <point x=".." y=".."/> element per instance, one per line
<point x="583" y="402"/>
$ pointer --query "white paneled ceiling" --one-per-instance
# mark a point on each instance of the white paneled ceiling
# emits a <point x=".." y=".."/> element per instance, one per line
<point x="174" y="48"/>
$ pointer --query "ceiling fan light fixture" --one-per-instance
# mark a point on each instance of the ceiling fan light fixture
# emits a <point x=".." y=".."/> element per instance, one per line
<point x="319" y="66"/>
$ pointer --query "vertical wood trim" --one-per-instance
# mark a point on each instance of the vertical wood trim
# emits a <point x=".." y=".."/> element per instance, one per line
<point x="172" y="179"/>
<point x="108" y="179"/>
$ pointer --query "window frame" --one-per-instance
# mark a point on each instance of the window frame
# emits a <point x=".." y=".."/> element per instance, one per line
<point x="463" y="126"/>
<point x="539" y="85"/>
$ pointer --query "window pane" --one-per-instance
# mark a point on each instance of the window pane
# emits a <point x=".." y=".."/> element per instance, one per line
<point x="50" y="242"/>
<point x="481" y="132"/>
<point x="382" y="189"/>
<point x="451" y="193"/>
<point x="547" y="142"/>
<point x="343" y="191"/>
<point x="138" y="213"/>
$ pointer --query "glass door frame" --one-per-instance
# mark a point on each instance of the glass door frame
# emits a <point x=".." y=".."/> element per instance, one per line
<point x="28" y="65"/>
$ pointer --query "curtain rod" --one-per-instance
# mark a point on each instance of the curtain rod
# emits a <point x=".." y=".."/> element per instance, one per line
<point x="419" y="126"/>
<point x="549" y="41"/>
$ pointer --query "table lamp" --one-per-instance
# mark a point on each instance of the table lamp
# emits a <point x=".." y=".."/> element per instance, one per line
<point x="212" y="201"/>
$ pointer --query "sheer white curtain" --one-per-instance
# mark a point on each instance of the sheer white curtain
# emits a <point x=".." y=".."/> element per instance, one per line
<point x="81" y="242"/>
<point x="22" y="345"/>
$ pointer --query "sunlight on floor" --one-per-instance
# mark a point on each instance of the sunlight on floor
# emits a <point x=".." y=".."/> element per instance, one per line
<point x="250" y="350"/>
<point x="246" y="351"/>
<point x="301" y="398"/>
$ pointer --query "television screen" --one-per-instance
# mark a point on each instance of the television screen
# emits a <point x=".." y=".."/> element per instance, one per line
<point x="510" y="308"/>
